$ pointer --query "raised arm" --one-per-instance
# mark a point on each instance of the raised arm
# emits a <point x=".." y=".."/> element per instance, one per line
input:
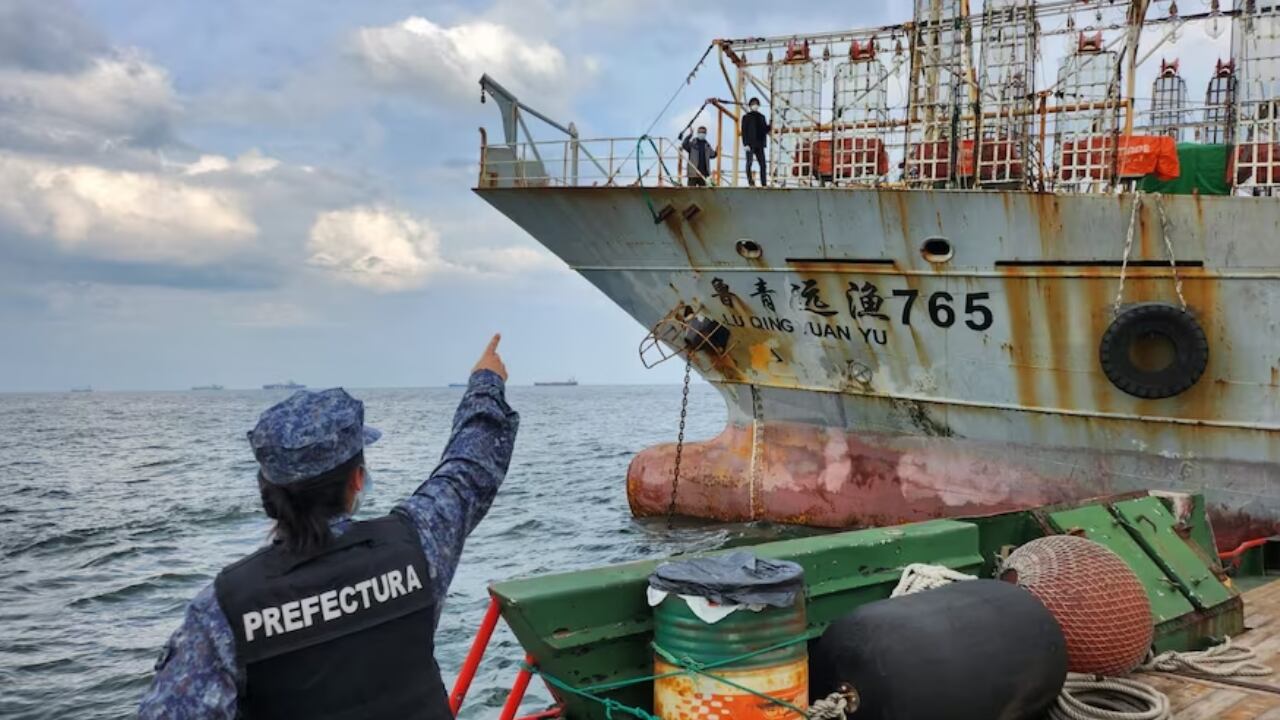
<point x="458" y="493"/>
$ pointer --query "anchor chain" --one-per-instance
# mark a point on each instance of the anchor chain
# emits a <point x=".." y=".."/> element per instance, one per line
<point x="684" y="413"/>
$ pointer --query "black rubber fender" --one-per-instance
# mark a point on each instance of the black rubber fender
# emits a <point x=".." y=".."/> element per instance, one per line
<point x="972" y="650"/>
<point x="1190" y="350"/>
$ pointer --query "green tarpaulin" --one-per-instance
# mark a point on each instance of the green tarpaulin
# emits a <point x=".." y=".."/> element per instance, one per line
<point x="1203" y="170"/>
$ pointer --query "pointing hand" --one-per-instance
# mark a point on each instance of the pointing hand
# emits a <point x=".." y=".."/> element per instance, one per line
<point x="491" y="360"/>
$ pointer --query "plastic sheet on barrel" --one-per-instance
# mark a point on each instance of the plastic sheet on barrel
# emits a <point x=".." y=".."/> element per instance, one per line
<point x="741" y="619"/>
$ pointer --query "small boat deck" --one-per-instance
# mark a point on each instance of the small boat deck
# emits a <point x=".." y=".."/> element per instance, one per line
<point x="1229" y="698"/>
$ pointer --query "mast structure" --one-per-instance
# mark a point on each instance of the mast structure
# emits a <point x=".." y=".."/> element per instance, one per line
<point x="1000" y="94"/>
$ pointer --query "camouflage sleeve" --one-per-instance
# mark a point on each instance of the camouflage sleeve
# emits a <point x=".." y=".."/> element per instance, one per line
<point x="196" y="675"/>
<point x="453" y="500"/>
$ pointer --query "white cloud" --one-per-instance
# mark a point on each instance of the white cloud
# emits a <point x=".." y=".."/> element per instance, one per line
<point x="434" y="62"/>
<point x="116" y="99"/>
<point x="122" y="215"/>
<point x="375" y="247"/>
<point x="252" y="162"/>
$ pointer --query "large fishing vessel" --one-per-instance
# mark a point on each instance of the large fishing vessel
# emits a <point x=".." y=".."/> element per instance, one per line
<point x="1002" y="260"/>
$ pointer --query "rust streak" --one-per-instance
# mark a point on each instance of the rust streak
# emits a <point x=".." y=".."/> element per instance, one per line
<point x="1021" y="336"/>
<point x="1056" y="305"/>
<point x="904" y="221"/>
<point x="1044" y="206"/>
<point x="673" y="224"/>
<point x="1205" y="400"/>
<point x="1097" y="300"/>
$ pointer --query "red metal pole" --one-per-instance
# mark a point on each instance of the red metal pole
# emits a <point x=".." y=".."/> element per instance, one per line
<point x="469" y="666"/>
<point x="1235" y="556"/>
<point x="517" y="691"/>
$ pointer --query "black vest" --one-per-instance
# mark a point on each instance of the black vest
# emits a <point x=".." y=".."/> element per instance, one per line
<point x="345" y="633"/>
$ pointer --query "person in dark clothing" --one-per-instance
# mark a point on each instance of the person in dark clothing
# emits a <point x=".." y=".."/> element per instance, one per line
<point x="755" y="138"/>
<point x="700" y="156"/>
<point x="335" y="618"/>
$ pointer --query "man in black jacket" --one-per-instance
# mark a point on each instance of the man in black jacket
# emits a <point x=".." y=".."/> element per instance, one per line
<point x="755" y="138"/>
<point x="700" y="156"/>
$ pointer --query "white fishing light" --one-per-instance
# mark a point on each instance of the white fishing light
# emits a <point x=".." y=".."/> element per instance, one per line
<point x="1216" y="27"/>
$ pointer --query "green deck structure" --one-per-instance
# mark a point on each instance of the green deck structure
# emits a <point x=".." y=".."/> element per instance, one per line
<point x="594" y="627"/>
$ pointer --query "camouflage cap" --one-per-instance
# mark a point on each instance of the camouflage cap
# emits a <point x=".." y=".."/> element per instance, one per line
<point x="309" y="434"/>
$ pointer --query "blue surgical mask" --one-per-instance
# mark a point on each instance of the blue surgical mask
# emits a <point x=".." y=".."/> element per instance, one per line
<point x="364" y="490"/>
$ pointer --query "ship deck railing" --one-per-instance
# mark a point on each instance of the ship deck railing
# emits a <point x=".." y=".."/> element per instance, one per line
<point x="859" y="155"/>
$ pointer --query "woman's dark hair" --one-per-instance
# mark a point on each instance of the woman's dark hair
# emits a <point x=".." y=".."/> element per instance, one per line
<point x="302" y="510"/>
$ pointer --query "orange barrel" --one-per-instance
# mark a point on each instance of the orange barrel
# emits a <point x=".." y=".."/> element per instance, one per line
<point x="781" y="673"/>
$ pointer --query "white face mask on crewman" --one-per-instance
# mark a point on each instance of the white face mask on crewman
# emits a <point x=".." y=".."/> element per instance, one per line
<point x="702" y="136"/>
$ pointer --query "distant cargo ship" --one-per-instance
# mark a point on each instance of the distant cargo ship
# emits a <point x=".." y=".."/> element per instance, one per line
<point x="82" y="388"/>
<point x="457" y="385"/>
<point x="557" y="383"/>
<point x="208" y="387"/>
<point x="291" y="385"/>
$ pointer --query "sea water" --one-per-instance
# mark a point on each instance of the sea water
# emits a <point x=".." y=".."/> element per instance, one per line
<point x="116" y="508"/>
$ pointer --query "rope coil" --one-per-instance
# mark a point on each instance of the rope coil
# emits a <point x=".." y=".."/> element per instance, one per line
<point x="1225" y="660"/>
<point x="1091" y="697"/>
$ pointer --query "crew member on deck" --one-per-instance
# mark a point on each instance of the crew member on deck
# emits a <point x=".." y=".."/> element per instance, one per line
<point x="336" y="617"/>
<point x="700" y="156"/>
<point x="755" y="138"/>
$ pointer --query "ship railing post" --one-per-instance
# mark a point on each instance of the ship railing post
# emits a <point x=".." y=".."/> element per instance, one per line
<point x="737" y="124"/>
<point x="469" y="666"/>
<point x="518" y="690"/>
<point x="573" y="147"/>
<point x="719" y="173"/>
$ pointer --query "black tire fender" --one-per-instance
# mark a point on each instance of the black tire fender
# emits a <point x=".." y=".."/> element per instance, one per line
<point x="1190" y="350"/>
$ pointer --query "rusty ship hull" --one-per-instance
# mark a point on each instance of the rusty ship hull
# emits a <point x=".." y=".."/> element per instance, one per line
<point x="870" y="381"/>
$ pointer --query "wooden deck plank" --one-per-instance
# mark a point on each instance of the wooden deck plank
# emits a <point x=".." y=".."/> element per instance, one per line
<point x="1196" y="699"/>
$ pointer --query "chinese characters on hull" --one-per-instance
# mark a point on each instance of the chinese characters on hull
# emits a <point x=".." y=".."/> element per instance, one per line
<point x="808" y="298"/>
<point x="765" y="294"/>
<point x="864" y="300"/>
<point x="722" y="292"/>
<point x="869" y="301"/>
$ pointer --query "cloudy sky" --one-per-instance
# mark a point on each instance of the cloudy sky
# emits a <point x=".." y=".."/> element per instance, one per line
<point x="243" y="191"/>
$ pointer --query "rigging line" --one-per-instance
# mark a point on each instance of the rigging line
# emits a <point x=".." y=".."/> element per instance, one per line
<point x="688" y="79"/>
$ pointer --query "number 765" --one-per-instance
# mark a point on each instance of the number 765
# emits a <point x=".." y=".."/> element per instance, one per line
<point x="977" y="315"/>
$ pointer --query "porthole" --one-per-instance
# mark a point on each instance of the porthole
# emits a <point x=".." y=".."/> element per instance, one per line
<point x="749" y="249"/>
<point x="936" y="250"/>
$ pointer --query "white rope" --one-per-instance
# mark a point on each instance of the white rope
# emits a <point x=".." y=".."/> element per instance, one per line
<point x="918" y="577"/>
<point x="1225" y="660"/>
<point x="832" y="707"/>
<point x="1128" y="248"/>
<point x="1090" y="697"/>
<point x="1168" y="246"/>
